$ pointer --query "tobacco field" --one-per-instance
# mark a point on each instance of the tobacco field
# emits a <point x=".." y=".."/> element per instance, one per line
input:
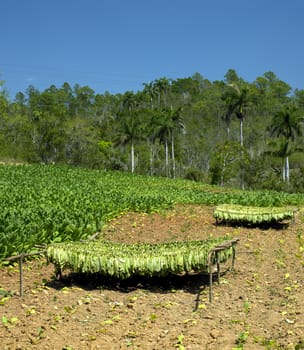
<point x="258" y="306"/>
<point x="42" y="204"/>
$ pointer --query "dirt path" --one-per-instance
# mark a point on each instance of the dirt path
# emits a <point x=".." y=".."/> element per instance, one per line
<point x="259" y="306"/>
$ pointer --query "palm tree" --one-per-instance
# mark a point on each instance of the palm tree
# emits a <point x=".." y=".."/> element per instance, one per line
<point x="162" y="88"/>
<point x="151" y="91"/>
<point x="228" y="99"/>
<point x="161" y="131"/>
<point x="166" y="122"/>
<point x="129" y="133"/>
<point x="236" y="98"/>
<point x="177" y="126"/>
<point x="241" y="104"/>
<point x="160" y="122"/>
<point x="130" y="129"/>
<point x="286" y="126"/>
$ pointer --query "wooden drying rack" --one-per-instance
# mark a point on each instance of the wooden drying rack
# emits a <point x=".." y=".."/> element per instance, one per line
<point x="213" y="259"/>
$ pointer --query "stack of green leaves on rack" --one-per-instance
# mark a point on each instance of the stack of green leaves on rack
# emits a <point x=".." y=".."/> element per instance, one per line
<point x="255" y="215"/>
<point x="124" y="260"/>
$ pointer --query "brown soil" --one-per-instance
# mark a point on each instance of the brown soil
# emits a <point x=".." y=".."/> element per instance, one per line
<point x="259" y="306"/>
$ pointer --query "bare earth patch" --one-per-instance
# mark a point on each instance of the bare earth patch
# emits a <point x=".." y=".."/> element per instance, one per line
<point x="259" y="306"/>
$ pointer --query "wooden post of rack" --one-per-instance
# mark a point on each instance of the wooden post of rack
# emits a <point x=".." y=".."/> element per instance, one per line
<point x="20" y="258"/>
<point x="215" y="252"/>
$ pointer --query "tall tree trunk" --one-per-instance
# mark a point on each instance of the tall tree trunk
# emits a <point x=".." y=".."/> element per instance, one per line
<point x="173" y="155"/>
<point x="223" y="171"/>
<point x="287" y="170"/>
<point x="151" y="159"/>
<point x="167" y="158"/>
<point x="228" y="132"/>
<point x="241" y="132"/>
<point x="132" y="158"/>
<point x="242" y="144"/>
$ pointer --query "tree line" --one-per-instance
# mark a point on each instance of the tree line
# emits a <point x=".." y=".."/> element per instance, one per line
<point x="229" y="132"/>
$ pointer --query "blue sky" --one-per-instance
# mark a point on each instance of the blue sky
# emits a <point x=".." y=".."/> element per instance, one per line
<point x="117" y="45"/>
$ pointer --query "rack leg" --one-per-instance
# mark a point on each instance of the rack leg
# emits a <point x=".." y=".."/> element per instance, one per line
<point x="21" y="275"/>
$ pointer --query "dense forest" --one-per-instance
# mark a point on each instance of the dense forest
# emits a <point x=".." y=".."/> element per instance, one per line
<point x="229" y="132"/>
